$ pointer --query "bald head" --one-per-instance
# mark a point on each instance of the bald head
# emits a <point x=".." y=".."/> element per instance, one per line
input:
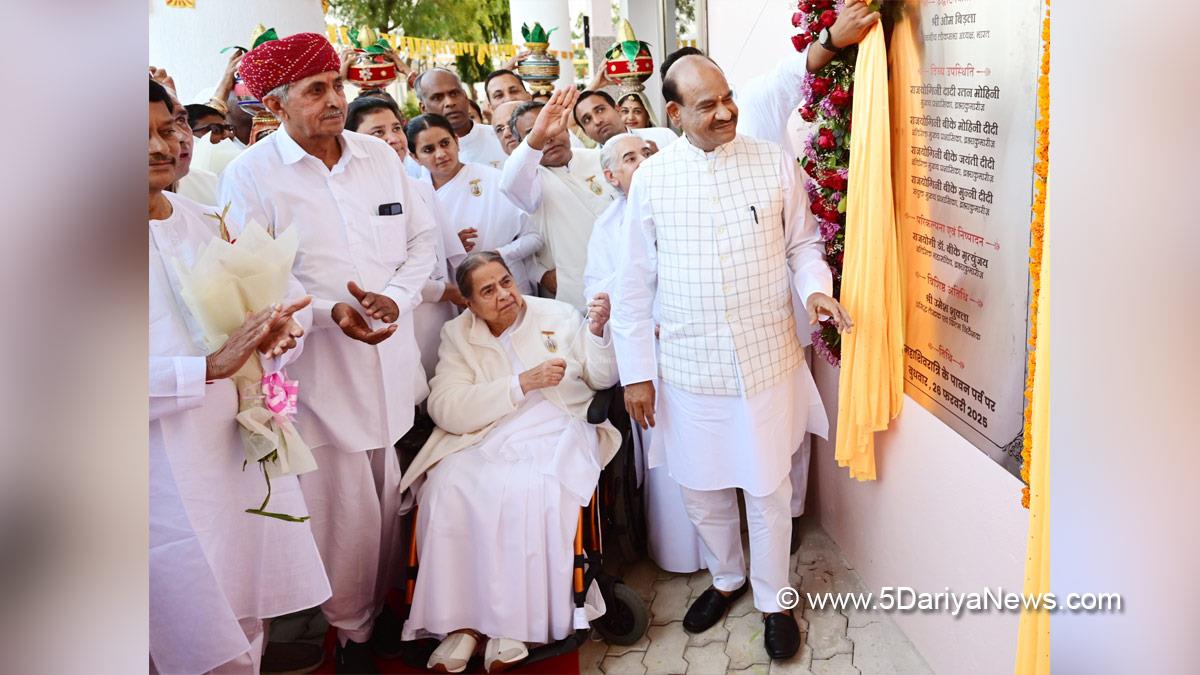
<point x="440" y="92"/>
<point x="700" y="102"/>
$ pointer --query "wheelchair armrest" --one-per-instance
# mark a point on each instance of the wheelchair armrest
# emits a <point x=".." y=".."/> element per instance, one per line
<point x="601" y="403"/>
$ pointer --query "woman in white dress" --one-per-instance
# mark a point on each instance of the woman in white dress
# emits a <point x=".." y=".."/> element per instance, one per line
<point x="511" y="463"/>
<point x="440" y="299"/>
<point x="469" y="198"/>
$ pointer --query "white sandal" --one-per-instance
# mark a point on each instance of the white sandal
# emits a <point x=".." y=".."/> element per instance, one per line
<point x="503" y="653"/>
<point x="452" y="655"/>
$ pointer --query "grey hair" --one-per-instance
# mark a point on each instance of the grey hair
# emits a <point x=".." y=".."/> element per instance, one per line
<point x="420" y="92"/>
<point x="608" y="154"/>
<point x="473" y="261"/>
<point x="280" y="92"/>
<point x="516" y="115"/>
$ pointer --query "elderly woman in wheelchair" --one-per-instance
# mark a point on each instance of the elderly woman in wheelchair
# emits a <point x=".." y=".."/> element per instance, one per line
<point x="501" y="481"/>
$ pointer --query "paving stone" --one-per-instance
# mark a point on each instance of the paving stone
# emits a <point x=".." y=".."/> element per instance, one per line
<point x="745" y="646"/>
<point x="640" y="646"/>
<point x="743" y="605"/>
<point x="670" y="602"/>
<point x="838" y="665"/>
<point x="718" y="633"/>
<point x="827" y="633"/>
<point x="710" y="660"/>
<point x="699" y="581"/>
<point x="665" y="654"/>
<point x="591" y="653"/>
<point x="629" y="664"/>
<point x="757" y="669"/>
<point x="800" y="664"/>
<point x="880" y="648"/>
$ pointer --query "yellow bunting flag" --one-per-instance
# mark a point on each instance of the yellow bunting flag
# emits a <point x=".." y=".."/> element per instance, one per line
<point x="182" y="4"/>
<point x="871" y="388"/>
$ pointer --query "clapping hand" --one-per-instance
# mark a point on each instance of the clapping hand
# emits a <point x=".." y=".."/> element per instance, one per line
<point x="355" y="326"/>
<point x="284" y="333"/>
<point x="268" y="331"/>
<point x="377" y="305"/>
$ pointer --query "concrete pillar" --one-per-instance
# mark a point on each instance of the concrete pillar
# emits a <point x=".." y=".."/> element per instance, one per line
<point x="602" y="33"/>
<point x="188" y="42"/>
<point x="551" y="14"/>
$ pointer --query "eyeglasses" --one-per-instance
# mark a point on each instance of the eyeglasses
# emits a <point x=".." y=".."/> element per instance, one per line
<point x="214" y="127"/>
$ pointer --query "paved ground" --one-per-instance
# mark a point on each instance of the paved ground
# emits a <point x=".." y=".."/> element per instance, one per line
<point x="835" y="642"/>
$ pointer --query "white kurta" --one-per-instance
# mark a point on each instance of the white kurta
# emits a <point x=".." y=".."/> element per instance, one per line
<point x="661" y="136"/>
<point x="432" y="313"/>
<point x="673" y="543"/>
<point x="481" y="146"/>
<point x="496" y="524"/>
<point x="713" y="441"/>
<point x="564" y="202"/>
<point x="263" y="567"/>
<point x="215" y="157"/>
<point x="199" y="185"/>
<point x="365" y="395"/>
<point x="473" y="199"/>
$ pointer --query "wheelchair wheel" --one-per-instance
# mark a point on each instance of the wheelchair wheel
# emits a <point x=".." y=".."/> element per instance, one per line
<point x="626" y="617"/>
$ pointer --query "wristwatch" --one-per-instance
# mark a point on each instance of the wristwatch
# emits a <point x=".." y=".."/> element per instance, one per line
<point x="825" y="39"/>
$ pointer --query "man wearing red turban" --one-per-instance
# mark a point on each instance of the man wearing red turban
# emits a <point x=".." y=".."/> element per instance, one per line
<point x="367" y="244"/>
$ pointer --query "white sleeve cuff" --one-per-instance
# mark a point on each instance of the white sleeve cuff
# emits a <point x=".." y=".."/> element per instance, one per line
<point x="514" y="390"/>
<point x="190" y="372"/>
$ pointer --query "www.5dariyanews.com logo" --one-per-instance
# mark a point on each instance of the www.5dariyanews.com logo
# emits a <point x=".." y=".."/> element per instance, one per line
<point x="908" y="599"/>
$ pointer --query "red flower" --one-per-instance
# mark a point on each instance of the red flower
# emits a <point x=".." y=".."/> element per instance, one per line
<point x="797" y="19"/>
<point x="832" y="215"/>
<point x="825" y="140"/>
<point x="839" y="97"/>
<point x="815" y="26"/>
<point x="807" y="113"/>
<point x="805" y="7"/>
<point x="816" y="208"/>
<point x="823" y="4"/>
<point x="833" y="181"/>
<point x="828" y="17"/>
<point x="801" y="40"/>
<point x="821" y="85"/>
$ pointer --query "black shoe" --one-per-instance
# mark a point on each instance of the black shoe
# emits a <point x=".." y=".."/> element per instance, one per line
<point x="354" y="658"/>
<point x="708" y="609"/>
<point x="781" y="635"/>
<point x="795" y="535"/>
<point x="385" y="637"/>
<point x="291" y="658"/>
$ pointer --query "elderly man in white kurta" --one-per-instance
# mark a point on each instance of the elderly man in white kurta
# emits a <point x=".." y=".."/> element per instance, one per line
<point x="512" y="461"/>
<point x="672" y="540"/>
<point x="441" y="92"/>
<point x="719" y="233"/>
<point x="562" y="187"/>
<point x="367" y="247"/>
<point x="215" y="571"/>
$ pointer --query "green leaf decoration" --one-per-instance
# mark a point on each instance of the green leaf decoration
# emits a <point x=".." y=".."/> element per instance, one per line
<point x="631" y="48"/>
<point x="382" y="46"/>
<point x="537" y="33"/>
<point x="267" y="35"/>
<point x="352" y="33"/>
<point x="233" y="47"/>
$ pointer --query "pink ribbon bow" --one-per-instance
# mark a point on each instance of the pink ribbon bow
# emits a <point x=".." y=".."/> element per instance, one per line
<point x="279" y="394"/>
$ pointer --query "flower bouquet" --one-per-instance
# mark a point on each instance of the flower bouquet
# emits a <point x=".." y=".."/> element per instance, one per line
<point x="228" y="280"/>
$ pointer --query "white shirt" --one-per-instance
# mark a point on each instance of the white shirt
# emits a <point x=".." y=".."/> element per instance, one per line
<point x="211" y="564"/>
<point x="564" y="202"/>
<point x="199" y="186"/>
<point x="365" y="395"/>
<point x="473" y="199"/>
<point x="432" y="313"/>
<point x="604" y="250"/>
<point x="766" y="102"/>
<point x="481" y="146"/>
<point x="661" y="136"/>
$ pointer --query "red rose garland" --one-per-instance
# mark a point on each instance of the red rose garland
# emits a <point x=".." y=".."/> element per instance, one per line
<point x="827" y="99"/>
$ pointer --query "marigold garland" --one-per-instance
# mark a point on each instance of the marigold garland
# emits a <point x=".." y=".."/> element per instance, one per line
<point x="1036" y="231"/>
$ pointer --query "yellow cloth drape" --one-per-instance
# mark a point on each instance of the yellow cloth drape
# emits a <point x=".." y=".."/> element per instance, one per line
<point x="871" y="388"/>
<point x="1033" y="636"/>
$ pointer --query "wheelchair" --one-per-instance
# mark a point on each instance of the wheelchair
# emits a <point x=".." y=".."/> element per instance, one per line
<point x="615" y="516"/>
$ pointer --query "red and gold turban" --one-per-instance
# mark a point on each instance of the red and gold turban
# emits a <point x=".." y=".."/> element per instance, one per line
<point x="283" y="61"/>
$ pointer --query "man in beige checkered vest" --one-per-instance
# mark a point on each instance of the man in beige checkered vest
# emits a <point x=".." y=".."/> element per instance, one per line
<point x="719" y="230"/>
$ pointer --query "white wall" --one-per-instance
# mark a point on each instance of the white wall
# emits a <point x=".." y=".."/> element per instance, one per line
<point x="942" y="513"/>
<point x="187" y="42"/>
